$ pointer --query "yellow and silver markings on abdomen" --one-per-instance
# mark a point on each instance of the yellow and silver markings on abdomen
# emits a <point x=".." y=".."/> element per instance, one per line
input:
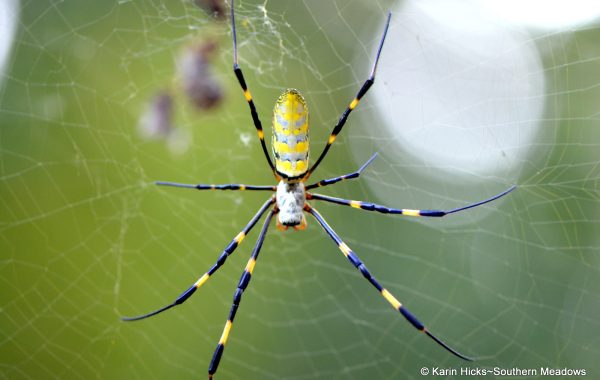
<point x="290" y="134"/>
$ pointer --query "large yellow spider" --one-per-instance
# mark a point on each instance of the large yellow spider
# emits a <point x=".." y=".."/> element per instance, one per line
<point x="290" y="145"/>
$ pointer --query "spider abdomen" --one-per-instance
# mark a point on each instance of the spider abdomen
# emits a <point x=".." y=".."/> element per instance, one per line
<point x="290" y="134"/>
<point x="290" y="198"/>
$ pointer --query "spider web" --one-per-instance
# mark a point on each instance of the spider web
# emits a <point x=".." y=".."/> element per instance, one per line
<point x="86" y="237"/>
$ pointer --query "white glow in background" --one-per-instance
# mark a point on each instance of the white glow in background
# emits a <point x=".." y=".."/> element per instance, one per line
<point x="8" y="21"/>
<point x="461" y="88"/>
<point x="463" y="92"/>
<point x="461" y="95"/>
<point x="547" y="14"/>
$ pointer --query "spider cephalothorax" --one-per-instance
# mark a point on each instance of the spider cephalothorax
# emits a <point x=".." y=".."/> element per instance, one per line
<point x="290" y="198"/>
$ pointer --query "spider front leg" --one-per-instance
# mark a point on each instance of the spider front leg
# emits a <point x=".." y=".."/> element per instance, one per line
<point x="358" y="264"/>
<point x="331" y="181"/>
<point x="237" y="297"/>
<point x="403" y="211"/>
<point x="220" y="261"/>
<point x="363" y="90"/>
<point x="226" y="186"/>
<point x="240" y="77"/>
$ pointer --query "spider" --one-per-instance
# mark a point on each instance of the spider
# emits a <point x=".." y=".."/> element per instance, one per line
<point x="290" y="145"/>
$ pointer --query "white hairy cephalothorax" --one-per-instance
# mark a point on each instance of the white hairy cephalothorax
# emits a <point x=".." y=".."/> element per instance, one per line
<point x="290" y="201"/>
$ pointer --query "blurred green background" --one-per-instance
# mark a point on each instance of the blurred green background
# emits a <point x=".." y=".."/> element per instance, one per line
<point x="86" y="237"/>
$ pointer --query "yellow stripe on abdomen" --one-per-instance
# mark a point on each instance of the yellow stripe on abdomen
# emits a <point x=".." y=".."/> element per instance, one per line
<point x="300" y="147"/>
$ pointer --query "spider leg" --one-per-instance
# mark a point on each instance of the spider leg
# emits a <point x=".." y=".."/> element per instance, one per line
<point x="404" y="211"/>
<point x="331" y="181"/>
<point x="237" y="297"/>
<point x="357" y="263"/>
<point x="240" y="77"/>
<point x="228" y="186"/>
<point x="220" y="261"/>
<point x="363" y="90"/>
